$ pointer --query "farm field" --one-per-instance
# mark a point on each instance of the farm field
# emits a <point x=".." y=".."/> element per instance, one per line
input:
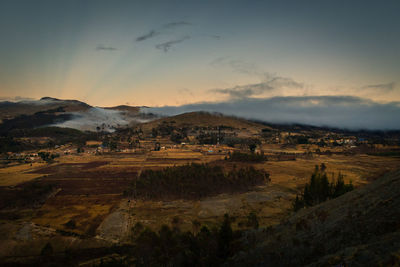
<point x="90" y="190"/>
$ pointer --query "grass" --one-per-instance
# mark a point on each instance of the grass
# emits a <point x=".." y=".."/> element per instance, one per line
<point x="271" y="203"/>
<point x="83" y="210"/>
<point x="11" y="176"/>
<point x="387" y="154"/>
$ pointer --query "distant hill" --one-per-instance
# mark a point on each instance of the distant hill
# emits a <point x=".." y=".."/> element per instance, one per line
<point x="360" y="228"/>
<point x="125" y="108"/>
<point x="9" y="110"/>
<point x="75" y="114"/>
<point x="205" y="119"/>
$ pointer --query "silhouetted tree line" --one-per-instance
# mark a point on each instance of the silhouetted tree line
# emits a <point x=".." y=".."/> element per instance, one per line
<point x="194" y="181"/>
<point x="319" y="189"/>
<point x="237" y="156"/>
<point x="171" y="247"/>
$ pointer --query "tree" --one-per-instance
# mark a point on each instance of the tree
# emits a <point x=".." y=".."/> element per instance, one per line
<point x="319" y="189"/>
<point x="323" y="167"/>
<point x="252" y="147"/>
<point x="225" y="236"/>
<point x="252" y="220"/>
<point x="112" y="145"/>
<point x="196" y="226"/>
<point x="137" y="229"/>
<point x="47" y="250"/>
<point x="157" y="146"/>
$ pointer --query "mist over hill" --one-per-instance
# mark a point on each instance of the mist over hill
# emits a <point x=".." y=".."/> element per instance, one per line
<point x="343" y="112"/>
<point x="48" y="111"/>
<point x="96" y="118"/>
<point x="333" y="111"/>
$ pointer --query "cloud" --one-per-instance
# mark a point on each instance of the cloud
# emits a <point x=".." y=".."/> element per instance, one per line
<point x="106" y="48"/>
<point x="156" y="32"/>
<point x="243" y="91"/>
<point x="333" y="111"/>
<point x="148" y="35"/>
<point x="386" y="87"/>
<point x="16" y="98"/>
<point x="167" y="45"/>
<point x="106" y="119"/>
<point x="271" y="83"/>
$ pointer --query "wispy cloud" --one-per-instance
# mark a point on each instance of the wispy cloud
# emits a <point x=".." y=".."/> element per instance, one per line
<point x="271" y="83"/>
<point x="167" y="45"/>
<point x="106" y="48"/>
<point x="148" y="35"/>
<point x="155" y="32"/>
<point x="386" y="87"/>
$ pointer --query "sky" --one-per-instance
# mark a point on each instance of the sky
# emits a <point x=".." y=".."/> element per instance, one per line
<point x="174" y="53"/>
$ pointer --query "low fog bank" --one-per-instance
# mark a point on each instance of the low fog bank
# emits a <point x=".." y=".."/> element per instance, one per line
<point x="95" y="119"/>
<point x="333" y="111"/>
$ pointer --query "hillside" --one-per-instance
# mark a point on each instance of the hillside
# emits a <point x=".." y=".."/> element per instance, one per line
<point x="9" y="110"/>
<point x="66" y="113"/>
<point x="360" y="228"/>
<point x="205" y="119"/>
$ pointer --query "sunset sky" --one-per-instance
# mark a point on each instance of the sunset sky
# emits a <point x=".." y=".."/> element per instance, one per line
<point x="158" y="53"/>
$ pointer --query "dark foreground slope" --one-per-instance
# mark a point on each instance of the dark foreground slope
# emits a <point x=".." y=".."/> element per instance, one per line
<point x="360" y="228"/>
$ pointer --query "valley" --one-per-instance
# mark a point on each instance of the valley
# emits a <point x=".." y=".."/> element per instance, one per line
<point x="79" y="194"/>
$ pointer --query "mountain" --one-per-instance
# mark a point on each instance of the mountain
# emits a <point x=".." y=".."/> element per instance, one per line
<point x="10" y="110"/>
<point x="75" y="114"/>
<point x="360" y="228"/>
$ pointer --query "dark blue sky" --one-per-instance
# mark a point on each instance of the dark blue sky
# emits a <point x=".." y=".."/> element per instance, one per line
<point x="180" y="52"/>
